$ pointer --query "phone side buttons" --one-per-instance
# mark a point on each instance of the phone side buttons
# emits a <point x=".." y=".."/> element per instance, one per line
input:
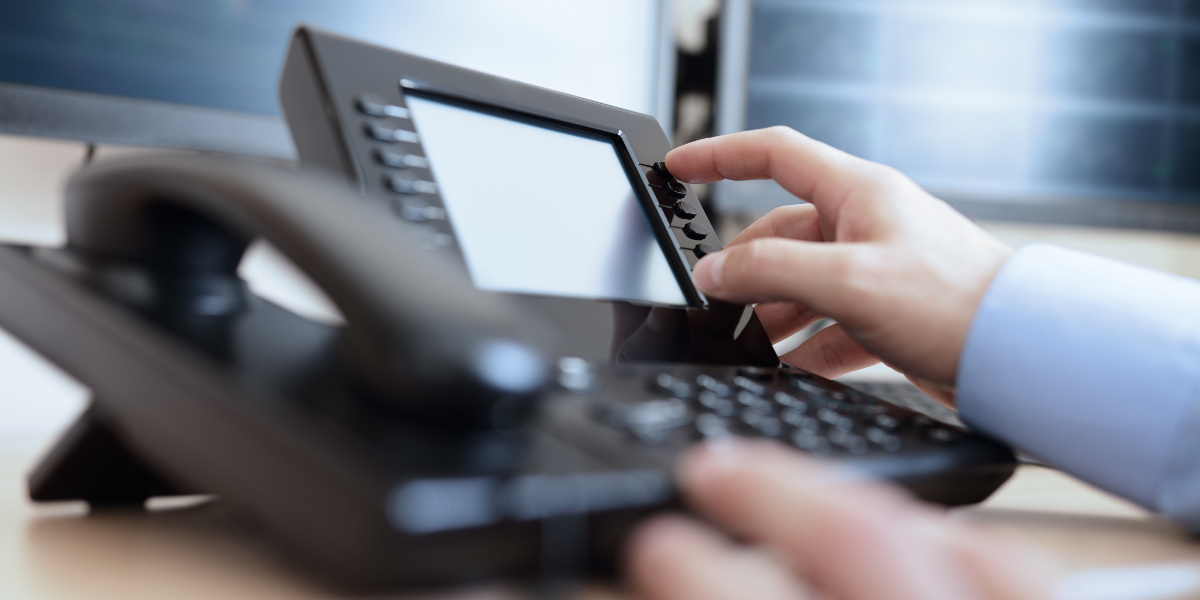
<point x="684" y="210"/>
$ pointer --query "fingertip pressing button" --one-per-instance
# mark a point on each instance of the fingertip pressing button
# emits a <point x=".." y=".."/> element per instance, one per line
<point x="660" y="169"/>
<point x="703" y="250"/>
<point x="695" y="231"/>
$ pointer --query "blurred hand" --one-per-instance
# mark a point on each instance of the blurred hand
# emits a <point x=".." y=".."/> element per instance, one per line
<point x="902" y="279"/>
<point x="815" y="532"/>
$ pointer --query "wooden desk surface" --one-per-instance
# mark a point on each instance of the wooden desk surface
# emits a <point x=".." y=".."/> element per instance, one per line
<point x="205" y="552"/>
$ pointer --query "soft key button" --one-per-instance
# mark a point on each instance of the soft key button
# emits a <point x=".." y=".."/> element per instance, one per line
<point x="418" y="211"/>
<point x="695" y="231"/>
<point x="389" y="134"/>
<point x="685" y="210"/>
<point x="703" y="250"/>
<point x="400" y="160"/>
<point x="375" y="106"/>
<point x="403" y="185"/>
<point x="674" y="189"/>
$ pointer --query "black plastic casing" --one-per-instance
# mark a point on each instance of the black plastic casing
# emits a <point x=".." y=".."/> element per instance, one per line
<point x="326" y="76"/>
<point x="258" y="406"/>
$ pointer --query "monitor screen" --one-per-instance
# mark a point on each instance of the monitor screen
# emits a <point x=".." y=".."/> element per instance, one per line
<point x="202" y="74"/>
<point x="1050" y="102"/>
<point x="542" y="210"/>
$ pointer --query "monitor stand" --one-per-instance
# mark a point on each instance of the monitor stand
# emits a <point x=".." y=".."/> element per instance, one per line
<point x="91" y="462"/>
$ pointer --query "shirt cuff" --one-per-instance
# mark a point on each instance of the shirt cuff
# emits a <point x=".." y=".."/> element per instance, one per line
<point x="1086" y="363"/>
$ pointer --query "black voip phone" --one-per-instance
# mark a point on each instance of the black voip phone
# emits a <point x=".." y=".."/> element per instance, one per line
<point x="524" y="353"/>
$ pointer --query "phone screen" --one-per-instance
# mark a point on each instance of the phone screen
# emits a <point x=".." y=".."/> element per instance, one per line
<point x="541" y="210"/>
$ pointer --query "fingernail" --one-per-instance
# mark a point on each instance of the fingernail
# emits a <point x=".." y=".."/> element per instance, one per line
<point x="709" y="272"/>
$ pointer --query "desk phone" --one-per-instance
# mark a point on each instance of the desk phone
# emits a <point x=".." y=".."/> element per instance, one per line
<point x="524" y="354"/>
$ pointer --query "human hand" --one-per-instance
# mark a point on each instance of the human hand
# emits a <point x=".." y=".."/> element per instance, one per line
<point x="816" y="532"/>
<point x="903" y="278"/>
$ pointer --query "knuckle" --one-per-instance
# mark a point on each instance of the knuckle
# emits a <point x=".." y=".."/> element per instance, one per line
<point x="781" y="217"/>
<point x="780" y="135"/>
<point x="781" y="131"/>
<point x="860" y="269"/>
<point x="752" y="262"/>
<point x="850" y="529"/>
<point x="886" y="177"/>
<point x="750" y="270"/>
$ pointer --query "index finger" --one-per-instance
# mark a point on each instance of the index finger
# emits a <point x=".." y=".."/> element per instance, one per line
<point x="809" y="169"/>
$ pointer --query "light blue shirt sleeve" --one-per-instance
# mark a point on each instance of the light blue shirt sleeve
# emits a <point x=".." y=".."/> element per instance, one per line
<point x="1094" y="367"/>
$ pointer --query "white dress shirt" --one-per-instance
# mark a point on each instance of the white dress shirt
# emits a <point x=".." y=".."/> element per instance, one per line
<point x="1093" y="366"/>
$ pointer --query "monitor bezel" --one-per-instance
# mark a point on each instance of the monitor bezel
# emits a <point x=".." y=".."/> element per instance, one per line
<point x="729" y="116"/>
<point x="100" y="119"/>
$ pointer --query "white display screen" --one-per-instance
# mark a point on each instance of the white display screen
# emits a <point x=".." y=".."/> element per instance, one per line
<point x="543" y="211"/>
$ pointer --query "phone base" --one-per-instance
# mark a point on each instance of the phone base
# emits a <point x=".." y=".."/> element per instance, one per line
<point x="91" y="462"/>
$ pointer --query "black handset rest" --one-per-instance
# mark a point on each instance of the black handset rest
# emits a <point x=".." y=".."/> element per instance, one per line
<point x="418" y="334"/>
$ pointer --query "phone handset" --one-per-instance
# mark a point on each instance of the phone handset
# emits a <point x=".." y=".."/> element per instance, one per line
<point x="418" y="335"/>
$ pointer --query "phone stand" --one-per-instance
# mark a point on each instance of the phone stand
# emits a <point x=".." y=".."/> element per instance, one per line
<point x="90" y="462"/>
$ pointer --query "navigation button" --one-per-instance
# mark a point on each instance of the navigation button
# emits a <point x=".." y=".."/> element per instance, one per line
<point x="695" y="231"/>
<point x="685" y="210"/>
<point x="660" y="169"/>
<point x="674" y="189"/>
<point x="703" y="250"/>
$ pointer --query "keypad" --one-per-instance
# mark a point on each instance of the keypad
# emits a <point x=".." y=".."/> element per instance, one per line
<point x="903" y="393"/>
<point x="812" y="414"/>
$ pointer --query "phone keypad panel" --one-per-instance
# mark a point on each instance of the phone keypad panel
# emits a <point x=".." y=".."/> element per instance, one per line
<point x="671" y="406"/>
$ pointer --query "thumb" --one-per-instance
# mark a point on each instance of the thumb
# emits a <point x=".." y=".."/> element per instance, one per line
<point x="818" y="275"/>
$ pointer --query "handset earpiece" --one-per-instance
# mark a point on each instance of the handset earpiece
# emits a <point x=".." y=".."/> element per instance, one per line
<point x="418" y="335"/>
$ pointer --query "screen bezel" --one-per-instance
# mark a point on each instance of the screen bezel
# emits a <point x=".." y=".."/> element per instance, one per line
<point x="325" y="79"/>
<point x="100" y="119"/>
<point x="626" y="155"/>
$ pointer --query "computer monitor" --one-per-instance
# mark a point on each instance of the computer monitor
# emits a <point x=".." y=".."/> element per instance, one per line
<point x="1055" y="111"/>
<point x="202" y="75"/>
